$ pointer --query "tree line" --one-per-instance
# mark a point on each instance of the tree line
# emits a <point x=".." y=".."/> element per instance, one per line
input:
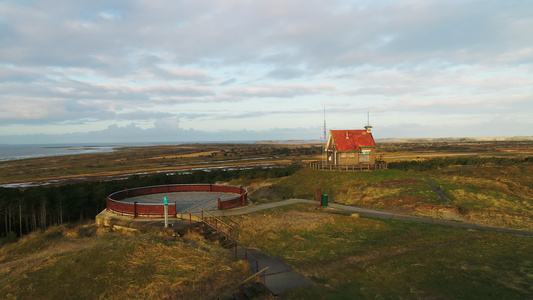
<point x="24" y="210"/>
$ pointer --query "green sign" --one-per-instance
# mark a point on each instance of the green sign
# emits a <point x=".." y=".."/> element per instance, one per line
<point x="165" y="201"/>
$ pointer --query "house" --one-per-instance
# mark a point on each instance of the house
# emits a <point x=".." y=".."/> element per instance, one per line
<point x="350" y="147"/>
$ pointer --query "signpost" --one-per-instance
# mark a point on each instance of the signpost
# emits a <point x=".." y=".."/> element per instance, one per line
<point x="165" y="202"/>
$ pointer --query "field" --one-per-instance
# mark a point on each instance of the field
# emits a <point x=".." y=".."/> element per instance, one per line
<point x="127" y="161"/>
<point x="361" y="258"/>
<point x="78" y="262"/>
<point x="346" y="256"/>
<point x="494" y="196"/>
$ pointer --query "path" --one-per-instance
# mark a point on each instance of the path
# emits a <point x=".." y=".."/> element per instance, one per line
<point x="280" y="277"/>
<point x="368" y="213"/>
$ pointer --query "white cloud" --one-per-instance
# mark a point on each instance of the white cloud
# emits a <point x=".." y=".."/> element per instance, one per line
<point x="260" y="62"/>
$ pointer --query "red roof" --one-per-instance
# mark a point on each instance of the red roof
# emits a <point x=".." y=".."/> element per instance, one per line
<point x="352" y="140"/>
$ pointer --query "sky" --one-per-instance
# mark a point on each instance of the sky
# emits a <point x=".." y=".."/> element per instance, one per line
<point x="248" y="70"/>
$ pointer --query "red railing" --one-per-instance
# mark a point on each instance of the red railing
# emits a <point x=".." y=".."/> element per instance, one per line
<point x="224" y="233"/>
<point x="135" y="209"/>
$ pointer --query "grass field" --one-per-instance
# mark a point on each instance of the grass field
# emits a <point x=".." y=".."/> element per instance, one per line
<point x="79" y="263"/>
<point x="348" y="257"/>
<point x="494" y="196"/>
<point x="130" y="160"/>
<point x="360" y="258"/>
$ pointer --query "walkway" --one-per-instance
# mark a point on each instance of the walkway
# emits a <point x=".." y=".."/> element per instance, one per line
<point x="279" y="277"/>
<point x="368" y="213"/>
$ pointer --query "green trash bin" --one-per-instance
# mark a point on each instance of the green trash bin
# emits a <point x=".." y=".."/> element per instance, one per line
<point x="324" y="199"/>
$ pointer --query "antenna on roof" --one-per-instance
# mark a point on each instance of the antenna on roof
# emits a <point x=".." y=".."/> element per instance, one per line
<point x="325" y="132"/>
<point x="368" y="127"/>
<point x="325" y="139"/>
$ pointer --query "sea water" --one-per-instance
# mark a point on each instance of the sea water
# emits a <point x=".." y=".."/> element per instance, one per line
<point x="13" y="152"/>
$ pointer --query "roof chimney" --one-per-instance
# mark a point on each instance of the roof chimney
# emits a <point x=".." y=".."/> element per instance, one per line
<point x="368" y="129"/>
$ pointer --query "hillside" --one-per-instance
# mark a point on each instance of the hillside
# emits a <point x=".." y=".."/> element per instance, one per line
<point x="349" y="257"/>
<point x="81" y="262"/>
<point x="487" y="191"/>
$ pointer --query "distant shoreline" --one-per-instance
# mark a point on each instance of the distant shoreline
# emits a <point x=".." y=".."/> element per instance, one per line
<point x="457" y="139"/>
<point x="9" y="152"/>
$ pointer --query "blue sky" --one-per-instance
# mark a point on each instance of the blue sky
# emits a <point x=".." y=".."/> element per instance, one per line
<point x="150" y="71"/>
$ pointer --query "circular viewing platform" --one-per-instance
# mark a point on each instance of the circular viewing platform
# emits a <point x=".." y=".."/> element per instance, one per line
<point x="148" y="202"/>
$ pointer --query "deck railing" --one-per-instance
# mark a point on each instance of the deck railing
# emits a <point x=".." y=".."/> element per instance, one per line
<point x="317" y="165"/>
<point x="116" y="203"/>
<point x="225" y="233"/>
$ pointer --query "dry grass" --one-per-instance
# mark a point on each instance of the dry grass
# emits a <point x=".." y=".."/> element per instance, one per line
<point x="60" y="264"/>
<point x="128" y="160"/>
<point x="296" y="220"/>
<point x="13" y="266"/>
<point x="360" y="258"/>
<point x="486" y="195"/>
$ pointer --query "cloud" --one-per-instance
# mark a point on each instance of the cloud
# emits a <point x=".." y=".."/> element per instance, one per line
<point x="101" y="63"/>
<point x="164" y="131"/>
<point x="285" y="73"/>
<point x="280" y="91"/>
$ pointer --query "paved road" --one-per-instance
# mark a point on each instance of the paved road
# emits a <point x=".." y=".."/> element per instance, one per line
<point x="368" y="213"/>
<point x="280" y="277"/>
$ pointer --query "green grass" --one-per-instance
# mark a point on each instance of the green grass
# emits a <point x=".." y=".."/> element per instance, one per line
<point x="494" y="196"/>
<point x="350" y="257"/>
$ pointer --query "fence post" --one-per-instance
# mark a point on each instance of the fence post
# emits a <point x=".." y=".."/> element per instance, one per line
<point x="219" y="205"/>
<point x="135" y="209"/>
<point x="317" y="196"/>
<point x="175" y="210"/>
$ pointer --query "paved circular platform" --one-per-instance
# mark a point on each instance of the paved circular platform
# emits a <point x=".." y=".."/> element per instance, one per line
<point x="185" y="201"/>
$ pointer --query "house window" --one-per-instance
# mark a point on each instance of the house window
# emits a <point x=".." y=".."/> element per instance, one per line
<point x="343" y="155"/>
<point x="351" y="155"/>
<point x="364" y="157"/>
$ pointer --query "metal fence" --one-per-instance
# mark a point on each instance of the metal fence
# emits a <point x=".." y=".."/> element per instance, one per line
<point x="225" y="235"/>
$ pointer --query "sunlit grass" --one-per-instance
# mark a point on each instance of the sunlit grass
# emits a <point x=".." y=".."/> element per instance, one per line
<point x="58" y="264"/>
<point x="491" y="197"/>
<point x="349" y="257"/>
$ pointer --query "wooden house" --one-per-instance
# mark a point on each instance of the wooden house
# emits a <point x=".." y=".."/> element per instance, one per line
<point x="350" y="147"/>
